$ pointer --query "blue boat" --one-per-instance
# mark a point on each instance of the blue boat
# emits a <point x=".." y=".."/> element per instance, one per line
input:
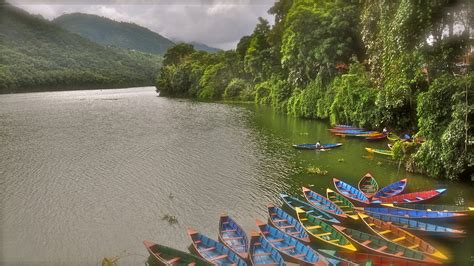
<point x="232" y="236"/>
<point x="214" y="251"/>
<point x="391" y="190"/>
<point x="287" y="224"/>
<point x="290" y="249"/>
<point x="293" y="203"/>
<point x="350" y="192"/>
<point x="412" y="214"/>
<point x="420" y="228"/>
<point x="262" y="253"/>
<point x="322" y="203"/>
<point x="313" y="146"/>
<point x="331" y="256"/>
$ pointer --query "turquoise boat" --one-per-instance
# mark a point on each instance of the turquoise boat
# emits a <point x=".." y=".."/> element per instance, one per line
<point x="322" y="203"/>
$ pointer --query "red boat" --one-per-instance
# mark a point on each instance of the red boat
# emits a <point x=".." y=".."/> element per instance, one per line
<point x="414" y="197"/>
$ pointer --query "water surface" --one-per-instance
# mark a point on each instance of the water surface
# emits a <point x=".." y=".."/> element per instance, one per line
<point x="89" y="174"/>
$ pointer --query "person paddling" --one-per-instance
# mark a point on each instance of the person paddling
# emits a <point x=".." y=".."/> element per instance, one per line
<point x="318" y="145"/>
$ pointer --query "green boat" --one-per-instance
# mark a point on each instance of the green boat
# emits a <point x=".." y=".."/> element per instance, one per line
<point x="169" y="256"/>
<point x="322" y="232"/>
<point x="380" y="151"/>
<point x="346" y="206"/>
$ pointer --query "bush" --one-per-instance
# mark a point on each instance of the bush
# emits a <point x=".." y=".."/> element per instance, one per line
<point x="234" y="88"/>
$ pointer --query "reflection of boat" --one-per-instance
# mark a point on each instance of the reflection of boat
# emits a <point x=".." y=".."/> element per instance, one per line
<point x="397" y="235"/>
<point x="380" y="151"/>
<point x="233" y="236"/>
<point x="381" y="246"/>
<point x="313" y="146"/>
<point x="169" y="256"/>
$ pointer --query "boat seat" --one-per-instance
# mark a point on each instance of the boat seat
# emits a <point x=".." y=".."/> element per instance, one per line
<point x="286" y="226"/>
<point x="313" y="227"/>
<point x="218" y="257"/>
<point x="173" y="260"/>
<point x="382" y="248"/>
<point x="233" y="238"/>
<point x="197" y="241"/>
<point x="304" y="219"/>
<point x="366" y="242"/>
<point x="207" y="249"/>
<point x="276" y="240"/>
<point x="398" y="239"/>
<point x="414" y="246"/>
<point x="310" y="211"/>
<point x="280" y="220"/>
<point x="337" y="201"/>
<point x="294" y="233"/>
<point x="324" y="234"/>
<point x="229" y="231"/>
<point x="273" y="214"/>
<point x="371" y="224"/>
<point x="385" y="232"/>
<point x="398" y="254"/>
<point x="262" y="254"/>
<point x="333" y="240"/>
<point x="289" y="247"/>
<point x="299" y="255"/>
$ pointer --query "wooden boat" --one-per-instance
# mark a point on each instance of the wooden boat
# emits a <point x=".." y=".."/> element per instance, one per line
<point x="334" y="259"/>
<point x="261" y="252"/>
<point x="368" y="185"/>
<point x="390" y="146"/>
<point x="432" y="207"/>
<point x="412" y="197"/>
<point x="413" y="214"/>
<point x="214" y="251"/>
<point x="233" y="236"/>
<point x="293" y="202"/>
<point x="392" y="137"/>
<point x="324" y="146"/>
<point x="397" y="235"/>
<point x="380" y="151"/>
<point x="320" y="202"/>
<point x="346" y="205"/>
<point x="286" y="223"/>
<point x="169" y="256"/>
<point x="350" y="192"/>
<point x="322" y="232"/>
<point x="376" y="137"/>
<point x="290" y="249"/>
<point x="391" y="190"/>
<point x="384" y="247"/>
<point x="359" y="258"/>
<point x="420" y="228"/>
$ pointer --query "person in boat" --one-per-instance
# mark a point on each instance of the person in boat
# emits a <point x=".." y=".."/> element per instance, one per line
<point x="318" y="145"/>
<point x="407" y="136"/>
<point x="384" y="130"/>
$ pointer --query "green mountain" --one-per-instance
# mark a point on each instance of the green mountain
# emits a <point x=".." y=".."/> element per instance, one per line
<point x="36" y="54"/>
<point x="110" y="32"/>
<point x="204" y="47"/>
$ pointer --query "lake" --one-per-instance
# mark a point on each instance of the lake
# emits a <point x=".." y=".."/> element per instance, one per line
<point x="91" y="174"/>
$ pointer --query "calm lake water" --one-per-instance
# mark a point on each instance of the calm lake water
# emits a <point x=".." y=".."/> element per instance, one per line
<point x="89" y="174"/>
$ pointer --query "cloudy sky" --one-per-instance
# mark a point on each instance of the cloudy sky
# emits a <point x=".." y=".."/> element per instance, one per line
<point x="218" y="23"/>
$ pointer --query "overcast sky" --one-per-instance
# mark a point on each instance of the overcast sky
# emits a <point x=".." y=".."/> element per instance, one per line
<point x="218" y="23"/>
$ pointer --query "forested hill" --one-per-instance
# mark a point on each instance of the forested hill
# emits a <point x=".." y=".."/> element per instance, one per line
<point x="110" y="32"/>
<point x="36" y="54"/>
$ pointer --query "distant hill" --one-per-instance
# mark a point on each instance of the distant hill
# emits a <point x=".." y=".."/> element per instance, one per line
<point x="110" y="32"/>
<point x="36" y="54"/>
<point x="204" y="47"/>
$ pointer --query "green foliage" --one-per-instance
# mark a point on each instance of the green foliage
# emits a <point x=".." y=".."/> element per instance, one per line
<point x="444" y="113"/>
<point x="354" y="99"/>
<point x="235" y="89"/>
<point x="36" y="54"/>
<point x="177" y="54"/>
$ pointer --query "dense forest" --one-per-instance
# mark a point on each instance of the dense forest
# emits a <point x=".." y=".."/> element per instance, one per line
<point x="36" y="54"/>
<point x="404" y="64"/>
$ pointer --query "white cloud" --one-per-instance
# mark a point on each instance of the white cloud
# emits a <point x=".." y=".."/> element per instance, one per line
<point x="219" y="23"/>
